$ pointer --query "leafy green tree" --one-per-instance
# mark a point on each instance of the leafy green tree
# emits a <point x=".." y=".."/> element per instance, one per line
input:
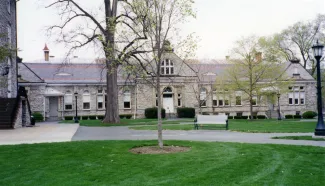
<point x="250" y="73"/>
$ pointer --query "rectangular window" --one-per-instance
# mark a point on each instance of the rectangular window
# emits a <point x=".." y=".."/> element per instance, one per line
<point x="214" y="99"/>
<point x="68" y="102"/>
<point x="171" y="70"/>
<point x="100" y="101"/>
<point x="127" y="99"/>
<point x="220" y="102"/>
<point x="290" y="95"/>
<point x="226" y="102"/>
<point x="105" y="101"/>
<point x="86" y="101"/>
<point x="203" y="103"/>
<point x="86" y="106"/>
<point x="302" y="98"/>
<point x="238" y="100"/>
<point x="296" y="95"/>
<point x="179" y="100"/>
<point x="239" y="114"/>
<point x="162" y="69"/>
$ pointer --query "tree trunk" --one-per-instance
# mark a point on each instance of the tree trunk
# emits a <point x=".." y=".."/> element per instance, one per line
<point x="160" y="140"/>
<point x="112" y="107"/>
<point x="251" y="107"/>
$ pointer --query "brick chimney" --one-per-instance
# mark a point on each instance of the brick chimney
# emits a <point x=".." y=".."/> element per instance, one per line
<point x="46" y="53"/>
<point x="258" y="56"/>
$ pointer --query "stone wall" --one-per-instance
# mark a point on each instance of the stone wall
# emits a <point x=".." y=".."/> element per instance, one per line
<point x="8" y="19"/>
<point x="146" y="97"/>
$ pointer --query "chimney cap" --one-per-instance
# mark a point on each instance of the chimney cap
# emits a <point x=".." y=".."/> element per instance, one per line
<point x="46" y="48"/>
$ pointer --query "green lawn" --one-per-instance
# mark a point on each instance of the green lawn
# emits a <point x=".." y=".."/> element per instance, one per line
<point x="207" y="163"/>
<point x="299" y="138"/>
<point x="125" y="122"/>
<point x="262" y="126"/>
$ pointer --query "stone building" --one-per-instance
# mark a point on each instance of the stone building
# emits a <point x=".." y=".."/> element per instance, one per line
<point x="14" y="106"/>
<point x="51" y="87"/>
<point x="8" y="80"/>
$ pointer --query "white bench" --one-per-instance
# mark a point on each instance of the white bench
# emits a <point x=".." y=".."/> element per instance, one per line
<point x="211" y="120"/>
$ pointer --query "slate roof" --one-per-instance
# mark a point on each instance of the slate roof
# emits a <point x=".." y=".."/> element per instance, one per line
<point x="92" y="73"/>
<point x="72" y="73"/>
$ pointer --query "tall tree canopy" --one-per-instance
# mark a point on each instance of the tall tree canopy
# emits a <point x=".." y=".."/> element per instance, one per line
<point x="295" y="42"/>
<point x="252" y="69"/>
<point x="81" y="26"/>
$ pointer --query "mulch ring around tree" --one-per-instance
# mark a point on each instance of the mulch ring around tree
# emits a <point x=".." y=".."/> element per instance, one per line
<point x="157" y="150"/>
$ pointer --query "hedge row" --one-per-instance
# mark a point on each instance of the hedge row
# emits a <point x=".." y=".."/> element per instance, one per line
<point x="152" y="113"/>
<point x="186" y="112"/>
<point x="38" y="116"/>
<point x="93" y="117"/>
<point x="309" y="114"/>
<point x="246" y="117"/>
<point x="289" y="116"/>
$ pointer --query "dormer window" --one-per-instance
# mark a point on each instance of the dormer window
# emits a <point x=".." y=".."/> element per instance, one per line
<point x="167" y="67"/>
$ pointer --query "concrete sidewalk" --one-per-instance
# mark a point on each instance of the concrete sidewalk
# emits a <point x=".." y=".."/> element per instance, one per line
<point x="124" y="133"/>
<point x="41" y="133"/>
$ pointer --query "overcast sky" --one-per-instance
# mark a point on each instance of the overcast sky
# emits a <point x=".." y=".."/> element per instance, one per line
<point x="219" y="23"/>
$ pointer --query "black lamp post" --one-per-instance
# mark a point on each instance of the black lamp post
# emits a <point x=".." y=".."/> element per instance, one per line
<point x="318" y="53"/>
<point x="76" y="117"/>
<point x="279" y="114"/>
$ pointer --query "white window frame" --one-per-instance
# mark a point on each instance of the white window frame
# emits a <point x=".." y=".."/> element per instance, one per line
<point x="68" y="93"/>
<point x="85" y="99"/>
<point x="203" y="97"/>
<point x="100" y="93"/>
<point x="239" y="94"/>
<point x="179" y="100"/>
<point x="167" y="65"/>
<point x="126" y="98"/>
<point x="297" y="94"/>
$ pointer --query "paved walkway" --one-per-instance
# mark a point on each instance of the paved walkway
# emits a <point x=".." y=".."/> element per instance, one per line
<point x="41" y="133"/>
<point x="123" y="133"/>
<point x="54" y="132"/>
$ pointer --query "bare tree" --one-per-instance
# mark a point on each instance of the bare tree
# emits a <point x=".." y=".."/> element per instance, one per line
<point x="297" y="40"/>
<point x="161" y="20"/>
<point x="81" y="27"/>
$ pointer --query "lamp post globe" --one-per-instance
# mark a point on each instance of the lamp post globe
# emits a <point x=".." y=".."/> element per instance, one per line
<point x="76" y="117"/>
<point x="279" y="114"/>
<point x="318" y="53"/>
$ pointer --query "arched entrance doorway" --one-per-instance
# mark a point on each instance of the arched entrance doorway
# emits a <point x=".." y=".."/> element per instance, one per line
<point x="168" y="100"/>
